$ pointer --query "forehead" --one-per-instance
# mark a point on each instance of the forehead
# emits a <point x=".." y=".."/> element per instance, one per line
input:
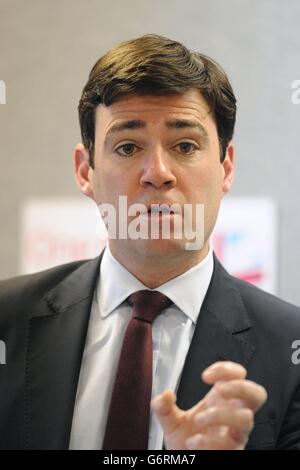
<point x="190" y="104"/>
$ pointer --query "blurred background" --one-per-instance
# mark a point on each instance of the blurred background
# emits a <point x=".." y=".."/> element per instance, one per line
<point x="47" y="48"/>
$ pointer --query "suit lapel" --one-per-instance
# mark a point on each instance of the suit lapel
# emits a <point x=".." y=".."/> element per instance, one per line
<point x="221" y="333"/>
<point x="57" y="333"/>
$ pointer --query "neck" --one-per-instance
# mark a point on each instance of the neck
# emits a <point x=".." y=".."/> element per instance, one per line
<point x="154" y="271"/>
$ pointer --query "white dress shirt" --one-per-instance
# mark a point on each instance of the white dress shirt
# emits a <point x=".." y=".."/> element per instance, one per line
<point x="172" y="334"/>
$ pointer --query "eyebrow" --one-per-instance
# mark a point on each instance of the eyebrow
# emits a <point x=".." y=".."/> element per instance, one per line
<point x="187" y="124"/>
<point x="172" y="124"/>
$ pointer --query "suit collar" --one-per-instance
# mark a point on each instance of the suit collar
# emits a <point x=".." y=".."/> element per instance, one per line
<point x="223" y="332"/>
<point x="75" y="288"/>
<point x="224" y="301"/>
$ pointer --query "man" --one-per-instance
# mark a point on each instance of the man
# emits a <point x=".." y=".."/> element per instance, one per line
<point x="157" y="123"/>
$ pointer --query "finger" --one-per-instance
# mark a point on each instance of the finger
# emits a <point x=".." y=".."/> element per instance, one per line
<point x="251" y="393"/>
<point x="241" y="437"/>
<point x="202" y="442"/>
<point x="165" y="408"/>
<point x="214" y="398"/>
<point x="241" y="420"/>
<point x="223" y="370"/>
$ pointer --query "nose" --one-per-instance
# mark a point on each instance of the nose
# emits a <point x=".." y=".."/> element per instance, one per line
<point x="157" y="170"/>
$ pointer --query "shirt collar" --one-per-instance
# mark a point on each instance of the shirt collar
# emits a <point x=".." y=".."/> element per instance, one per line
<point x="187" y="291"/>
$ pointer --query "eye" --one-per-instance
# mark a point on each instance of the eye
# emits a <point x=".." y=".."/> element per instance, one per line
<point x="126" y="149"/>
<point x="187" y="147"/>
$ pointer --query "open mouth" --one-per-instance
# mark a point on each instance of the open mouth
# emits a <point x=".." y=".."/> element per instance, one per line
<point x="160" y="211"/>
<point x="162" y="208"/>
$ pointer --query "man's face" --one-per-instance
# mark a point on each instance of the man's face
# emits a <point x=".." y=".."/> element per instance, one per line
<point x="158" y="149"/>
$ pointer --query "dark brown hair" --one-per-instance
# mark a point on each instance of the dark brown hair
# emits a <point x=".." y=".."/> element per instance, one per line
<point x="156" y="65"/>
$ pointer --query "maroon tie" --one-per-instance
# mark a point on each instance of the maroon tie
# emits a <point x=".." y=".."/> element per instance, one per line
<point x="128" y="420"/>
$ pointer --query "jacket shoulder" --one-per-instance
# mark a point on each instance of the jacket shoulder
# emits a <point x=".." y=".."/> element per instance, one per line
<point x="267" y="307"/>
<point x="18" y="291"/>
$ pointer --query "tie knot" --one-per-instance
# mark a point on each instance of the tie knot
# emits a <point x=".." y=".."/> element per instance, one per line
<point x="147" y="305"/>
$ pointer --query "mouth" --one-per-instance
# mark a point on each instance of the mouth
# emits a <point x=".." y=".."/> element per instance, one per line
<point x="161" y="210"/>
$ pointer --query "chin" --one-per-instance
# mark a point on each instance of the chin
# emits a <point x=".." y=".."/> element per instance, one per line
<point x="158" y="248"/>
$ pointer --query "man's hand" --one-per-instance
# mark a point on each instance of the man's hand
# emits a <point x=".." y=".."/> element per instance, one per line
<point x="223" y="419"/>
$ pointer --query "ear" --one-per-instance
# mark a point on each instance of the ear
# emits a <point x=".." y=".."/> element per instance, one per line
<point x="228" y="168"/>
<point x="83" y="170"/>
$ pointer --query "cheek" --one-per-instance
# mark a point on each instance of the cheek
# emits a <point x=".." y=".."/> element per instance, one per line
<point x="109" y="184"/>
<point x="205" y="186"/>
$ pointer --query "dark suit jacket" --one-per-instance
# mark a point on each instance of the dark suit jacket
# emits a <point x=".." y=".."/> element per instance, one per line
<point x="44" y="319"/>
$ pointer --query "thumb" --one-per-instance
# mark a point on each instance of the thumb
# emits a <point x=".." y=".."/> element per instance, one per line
<point x="165" y="408"/>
